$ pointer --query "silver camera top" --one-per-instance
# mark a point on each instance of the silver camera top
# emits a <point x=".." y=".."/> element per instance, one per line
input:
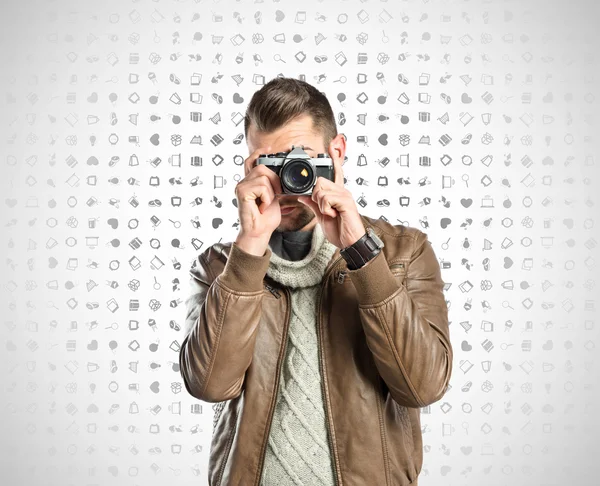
<point x="295" y="153"/>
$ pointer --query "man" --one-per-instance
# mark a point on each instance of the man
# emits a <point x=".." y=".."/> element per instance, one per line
<point x="319" y="348"/>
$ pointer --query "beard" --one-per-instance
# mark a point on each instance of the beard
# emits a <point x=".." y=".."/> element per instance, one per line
<point x="302" y="216"/>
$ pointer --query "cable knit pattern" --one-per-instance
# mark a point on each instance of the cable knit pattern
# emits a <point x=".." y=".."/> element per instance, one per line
<point x="298" y="450"/>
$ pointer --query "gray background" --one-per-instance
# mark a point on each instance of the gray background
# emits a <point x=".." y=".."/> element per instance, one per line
<point x="84" y="403"/>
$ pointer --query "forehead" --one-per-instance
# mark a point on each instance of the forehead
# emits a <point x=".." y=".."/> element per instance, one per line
<point x="298" y="131"/>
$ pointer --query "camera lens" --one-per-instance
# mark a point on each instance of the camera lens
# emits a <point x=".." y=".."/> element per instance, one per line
<point x="297" y="175"/>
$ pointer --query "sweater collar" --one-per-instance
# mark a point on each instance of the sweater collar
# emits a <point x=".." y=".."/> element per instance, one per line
<point x="307" y="271"/>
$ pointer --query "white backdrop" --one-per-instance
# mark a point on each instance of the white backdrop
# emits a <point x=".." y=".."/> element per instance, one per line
<point x="475" y="121"/>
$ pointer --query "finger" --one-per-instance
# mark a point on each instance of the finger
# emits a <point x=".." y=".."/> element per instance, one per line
<point x="338" y="174"/>
<point x="311" y="204"/>
<point x="329" y="202"/>
<point x="262" y="170"/>
<point x="249" y="161"/>
<point x="324" y="183"/>
<point x="319" y="197"/>
<point x="265" y="192"/>
<point x="326" y="205"/>
<point x="258" y="188"/>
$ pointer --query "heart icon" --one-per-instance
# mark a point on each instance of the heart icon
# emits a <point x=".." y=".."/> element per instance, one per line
<point x="93" y="345"/>
<point x="237" y="98"/>
<point x="155" y="387"/>
<point x="279" y="16"/>
<point x="93" y="97"/>
<point x="465" y="346"/>
<point x="466" y="202"/>
<point x="507" y="262"/>
<point x="11" y="203"/>
<point x="155" y="139"/>
<point x="216" y="222"/>
<point x="444" y="222"/>
<point x="465" y="98"/>
<point x="466" y="450"/>
<point x="383" y="139"/>
<point x="114" y="223"/>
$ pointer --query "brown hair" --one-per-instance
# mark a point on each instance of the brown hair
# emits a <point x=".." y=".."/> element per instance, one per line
<point x="283" y="99"/>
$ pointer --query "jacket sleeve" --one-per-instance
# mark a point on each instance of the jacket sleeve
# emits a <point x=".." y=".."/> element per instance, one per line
<point x="222" y="317"/>
<point x="406" y="325"/>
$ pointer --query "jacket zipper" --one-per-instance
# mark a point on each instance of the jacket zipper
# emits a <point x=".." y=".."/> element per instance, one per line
<point x="338" y="480"/>
<point x="273" y="290"/>
<point x="282" y="352"/>
<point x="277" y="379"/>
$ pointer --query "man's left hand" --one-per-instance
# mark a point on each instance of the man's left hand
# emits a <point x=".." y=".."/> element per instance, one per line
<point x="336" y="211"/>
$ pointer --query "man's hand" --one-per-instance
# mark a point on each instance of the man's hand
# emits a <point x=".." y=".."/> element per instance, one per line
<point x="336" y="210"/>
<point x="258" y="206"/>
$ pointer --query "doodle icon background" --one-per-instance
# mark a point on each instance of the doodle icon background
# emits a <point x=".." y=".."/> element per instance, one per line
<point x="122" y="141"/>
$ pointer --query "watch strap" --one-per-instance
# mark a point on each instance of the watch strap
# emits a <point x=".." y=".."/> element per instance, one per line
<point x="364" y="249"/>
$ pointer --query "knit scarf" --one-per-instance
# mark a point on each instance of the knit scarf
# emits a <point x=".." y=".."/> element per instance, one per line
<point x="307" y="271"/>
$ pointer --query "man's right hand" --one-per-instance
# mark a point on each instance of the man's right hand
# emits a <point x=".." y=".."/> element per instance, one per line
<point x="258" y="206"/>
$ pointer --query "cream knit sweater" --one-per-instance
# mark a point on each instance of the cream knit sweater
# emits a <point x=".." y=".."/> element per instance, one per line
<point x="298" y="450"/>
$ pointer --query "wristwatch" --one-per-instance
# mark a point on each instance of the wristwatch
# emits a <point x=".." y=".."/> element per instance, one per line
<point x="365" y="249"/>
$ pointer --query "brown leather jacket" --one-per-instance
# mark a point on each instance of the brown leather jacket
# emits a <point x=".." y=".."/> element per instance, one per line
<point x="384" y="352"/>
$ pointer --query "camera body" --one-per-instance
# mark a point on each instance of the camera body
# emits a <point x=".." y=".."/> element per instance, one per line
<point x="297" y="170"/>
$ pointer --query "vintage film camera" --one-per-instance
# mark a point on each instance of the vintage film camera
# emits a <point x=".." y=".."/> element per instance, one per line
<point x="297" y="170"/>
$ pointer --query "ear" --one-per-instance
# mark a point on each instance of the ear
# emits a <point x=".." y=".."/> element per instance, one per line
<point x="337" y="152"/>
